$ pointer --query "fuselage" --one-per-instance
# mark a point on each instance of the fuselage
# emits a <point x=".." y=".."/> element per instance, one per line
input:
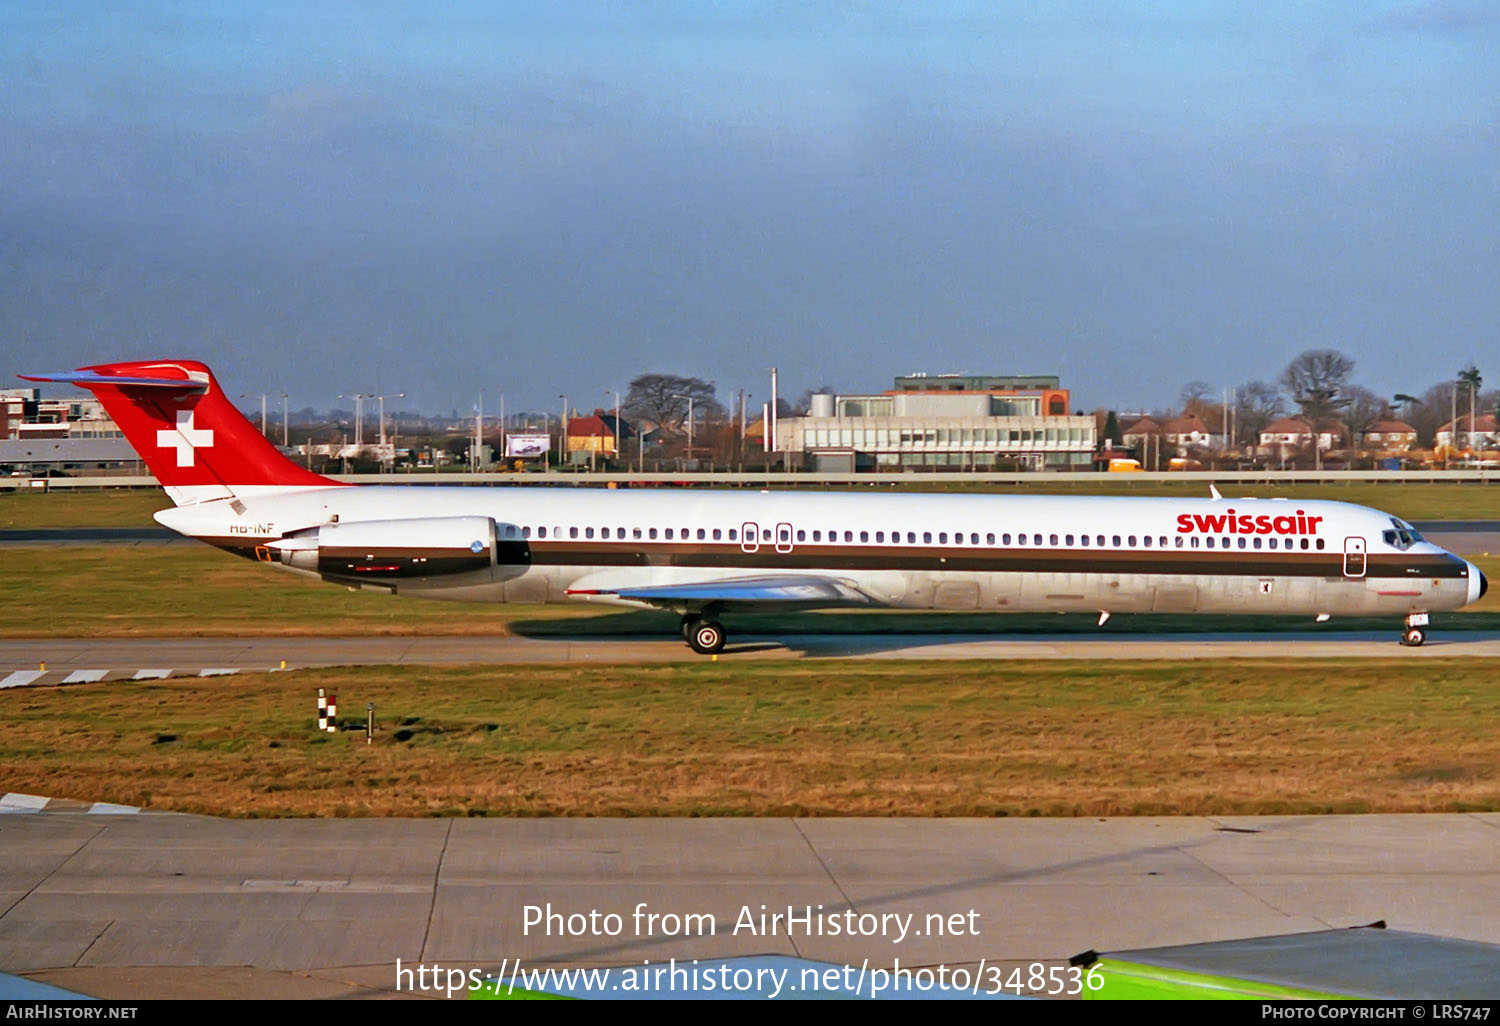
<point x="894" y="548"/>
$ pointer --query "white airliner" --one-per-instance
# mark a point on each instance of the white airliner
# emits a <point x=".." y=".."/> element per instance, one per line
<point x="704" y="554"/>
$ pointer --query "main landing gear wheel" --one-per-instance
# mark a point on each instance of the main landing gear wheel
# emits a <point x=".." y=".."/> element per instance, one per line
<point x="690" y="624"/>
<point x="1413" y="636"/>
<point x="705" y="638"/>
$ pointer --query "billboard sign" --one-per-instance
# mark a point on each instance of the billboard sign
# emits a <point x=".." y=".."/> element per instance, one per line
<point x="527" y="446"/>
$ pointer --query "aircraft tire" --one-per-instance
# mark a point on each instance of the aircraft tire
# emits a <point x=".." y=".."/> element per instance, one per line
<point x="707" y="638"/>
<point x="1412" y="637"/>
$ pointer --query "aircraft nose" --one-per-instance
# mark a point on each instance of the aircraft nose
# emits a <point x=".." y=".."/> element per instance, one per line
<point x="1484" y="584"/>
<point x="1478" y="583"/>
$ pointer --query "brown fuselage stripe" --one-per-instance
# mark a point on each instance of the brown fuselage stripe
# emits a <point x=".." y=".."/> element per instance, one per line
<point x="1228" y="562"/>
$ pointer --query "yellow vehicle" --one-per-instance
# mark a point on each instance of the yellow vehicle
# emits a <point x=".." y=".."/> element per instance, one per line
<point x="1117" y="466"/>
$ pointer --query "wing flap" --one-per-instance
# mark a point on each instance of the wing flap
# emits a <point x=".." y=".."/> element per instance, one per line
<point x="781" y="591"/>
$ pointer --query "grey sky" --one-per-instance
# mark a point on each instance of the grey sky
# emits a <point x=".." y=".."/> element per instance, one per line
<point x="546" y="198"/>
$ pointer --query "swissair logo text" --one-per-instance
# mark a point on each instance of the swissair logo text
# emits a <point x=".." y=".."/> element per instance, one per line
<point x="1230" y="522"/>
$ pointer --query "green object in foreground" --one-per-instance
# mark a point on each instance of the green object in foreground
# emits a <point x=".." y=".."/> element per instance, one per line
<point x="1134" y="981"/>
<point x="1363" y="962"/>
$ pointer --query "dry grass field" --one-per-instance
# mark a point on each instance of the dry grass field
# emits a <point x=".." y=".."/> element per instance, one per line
<point x="812" y="738"/>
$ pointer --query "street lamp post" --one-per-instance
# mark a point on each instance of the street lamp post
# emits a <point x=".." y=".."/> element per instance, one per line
<point x="359" y="416"/>
<point x="562" y="432"/>
<point x="607" y="391"/>
<point x="689" y="422"/>
<point x="246" y="395"/>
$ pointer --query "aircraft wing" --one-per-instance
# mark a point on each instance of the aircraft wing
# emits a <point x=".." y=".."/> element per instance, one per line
<point x="769" y="592"/>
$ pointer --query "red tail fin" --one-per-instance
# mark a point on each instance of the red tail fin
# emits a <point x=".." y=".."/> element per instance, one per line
<point x="191" y="436"/>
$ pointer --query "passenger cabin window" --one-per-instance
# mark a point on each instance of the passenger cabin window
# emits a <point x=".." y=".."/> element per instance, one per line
<point x="525" y="532"/>
<point x="911" y="537"/>
<point x="942" y="537"/>
<point x="802" y="536"/>
<point x="879" y="537"/>
<point x="1037" y="539"/>
<point x="572" y="532"/>
<point x="848" y="536"/>
<point x="817" y="536"/>
<point x="1020" y="539"/>
<point x="1117" y="541"/>
<point x="1320" y="543"/>
<point x="1053" y="540"/>
<point x="1132" y="541"/>
<point x="669" y="533"/>
<point x="541" y="532"/>
<point x="1084" y="540"/>
<point x="927" y="537"/>
<point x="1005" y="539"/>
<point x="864" y="536"/>
<point x="989" y="539"/>
<point x="1069" y="539"/>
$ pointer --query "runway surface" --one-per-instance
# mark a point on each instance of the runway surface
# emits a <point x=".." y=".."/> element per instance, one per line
<point x="87" y="660"/>
<point x="169" y="905"/>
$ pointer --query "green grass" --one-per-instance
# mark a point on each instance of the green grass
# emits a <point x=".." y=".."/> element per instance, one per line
<point x="115" y="507"/>
<point x="198" y="591"/>
<point x="761" y="738"/>
<point x="1420" y="501"/>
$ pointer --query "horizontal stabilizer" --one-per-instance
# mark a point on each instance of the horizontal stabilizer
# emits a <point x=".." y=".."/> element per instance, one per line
<point x="86" y="378"/>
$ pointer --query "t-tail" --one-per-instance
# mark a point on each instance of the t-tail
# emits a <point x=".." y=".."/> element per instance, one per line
<point x="196" y="443"/>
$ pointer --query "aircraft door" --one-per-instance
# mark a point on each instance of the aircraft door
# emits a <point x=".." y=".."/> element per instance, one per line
<point x="1354" y="557"/>
<point x="749" y="537"/>
<point x="783" y="537"/>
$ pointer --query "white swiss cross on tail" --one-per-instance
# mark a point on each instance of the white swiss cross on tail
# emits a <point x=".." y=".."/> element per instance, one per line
<point x="185" y="438"/>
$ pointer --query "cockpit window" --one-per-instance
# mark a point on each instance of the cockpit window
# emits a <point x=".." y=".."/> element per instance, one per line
<point x="1403" y="537"/>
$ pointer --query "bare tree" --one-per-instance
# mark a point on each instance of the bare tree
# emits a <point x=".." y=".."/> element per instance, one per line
<point x="1258" y="404"/>
<point x="1432" y="411"/>
<point x="1364" y="409"/>
<point x="1316" y="380"/>
<point x="659" y="398"/>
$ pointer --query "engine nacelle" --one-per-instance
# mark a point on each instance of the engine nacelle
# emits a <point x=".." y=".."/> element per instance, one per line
<point x="397" y="549"/>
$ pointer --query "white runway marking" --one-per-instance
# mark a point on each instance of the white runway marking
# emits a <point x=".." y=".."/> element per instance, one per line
<point x="151" y="674"/>
<point x="20" y="678"/>
<point x="22" y="803"/>
<point x="84" y="676"/>
<point x="218" y="672"/>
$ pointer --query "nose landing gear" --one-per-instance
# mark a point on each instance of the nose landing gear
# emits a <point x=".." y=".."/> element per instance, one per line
<point x="1414" y="633"/>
